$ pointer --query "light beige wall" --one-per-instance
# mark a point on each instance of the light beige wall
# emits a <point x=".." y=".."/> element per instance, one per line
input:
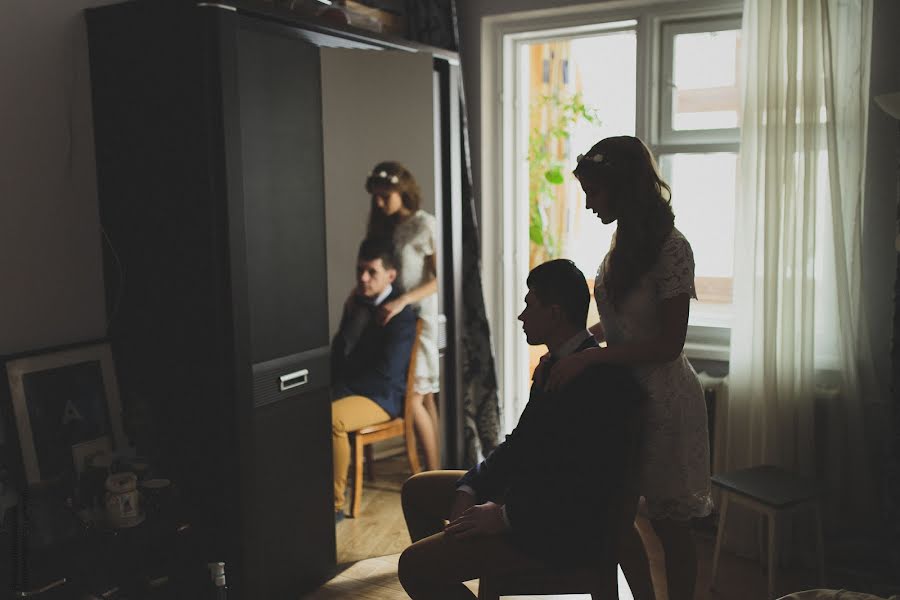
<point x="51" y="285"/>
<point x="377" y="106"/>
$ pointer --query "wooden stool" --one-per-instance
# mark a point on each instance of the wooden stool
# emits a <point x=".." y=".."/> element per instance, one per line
<point x="770" y="491"/>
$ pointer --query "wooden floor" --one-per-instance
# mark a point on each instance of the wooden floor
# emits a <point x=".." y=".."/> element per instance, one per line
<point x="369" y="546"/>
<point x="379" y="530"/>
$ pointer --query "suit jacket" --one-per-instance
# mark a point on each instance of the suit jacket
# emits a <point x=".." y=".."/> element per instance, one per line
<point x="371" y="360"/>
<point x="562" y="472"/>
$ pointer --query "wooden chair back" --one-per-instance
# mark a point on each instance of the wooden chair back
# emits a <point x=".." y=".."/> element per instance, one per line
<point x="362" y="439"/>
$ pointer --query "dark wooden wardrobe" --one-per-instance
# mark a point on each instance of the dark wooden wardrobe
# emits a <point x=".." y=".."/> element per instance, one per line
<point x="209" y="137"/>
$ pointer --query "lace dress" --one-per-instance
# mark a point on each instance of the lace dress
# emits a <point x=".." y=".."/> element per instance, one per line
<point x="675" y="453"/>
<point x="414" y="241"/>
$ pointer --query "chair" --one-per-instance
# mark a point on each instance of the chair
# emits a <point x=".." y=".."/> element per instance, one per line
<point x="361" y="440"/>
<point x="601" y="580"/>
<point x="773" y="492"/>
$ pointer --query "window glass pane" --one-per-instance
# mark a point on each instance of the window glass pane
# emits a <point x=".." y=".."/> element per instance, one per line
<point x="608" y="86"/>
<point x="703" y="195"/>
<point x="577" y="91"/>
<point x="705" y="80"/>
<point x="600" y="72"/>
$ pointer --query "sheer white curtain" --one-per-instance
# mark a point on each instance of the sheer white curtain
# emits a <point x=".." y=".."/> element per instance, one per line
<point x="799" y="319"/>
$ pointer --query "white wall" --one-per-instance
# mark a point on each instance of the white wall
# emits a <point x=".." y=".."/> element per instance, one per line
<point x="376" y="106"/>
<point x="50" y="262"/>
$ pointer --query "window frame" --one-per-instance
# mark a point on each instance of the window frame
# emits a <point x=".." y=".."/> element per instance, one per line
<point x="667" y="134"/>
<point x="709" y="334"/>
<point x="499" y="97"/>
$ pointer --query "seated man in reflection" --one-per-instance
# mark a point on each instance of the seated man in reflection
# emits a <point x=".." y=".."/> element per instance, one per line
<point x="547" y="494"/>
<point x="368" y="360"/>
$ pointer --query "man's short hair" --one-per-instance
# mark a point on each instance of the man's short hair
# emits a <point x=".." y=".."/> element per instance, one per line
<point x="378" y="247"/>
<point x="561" y="282"/>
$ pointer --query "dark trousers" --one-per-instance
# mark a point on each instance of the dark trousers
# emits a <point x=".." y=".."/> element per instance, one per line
<point x="435" y="566"/>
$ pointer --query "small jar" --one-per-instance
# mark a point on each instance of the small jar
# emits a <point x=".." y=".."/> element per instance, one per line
<point x="122" y="500"/>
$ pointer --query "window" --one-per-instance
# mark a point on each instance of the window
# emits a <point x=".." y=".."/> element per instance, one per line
<point x="697" y="147"/>
<point x="699" y="100"/>
<point x="665" y="73"/>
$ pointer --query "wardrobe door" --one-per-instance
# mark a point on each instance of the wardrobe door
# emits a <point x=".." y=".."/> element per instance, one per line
<point x="286" y="467"/>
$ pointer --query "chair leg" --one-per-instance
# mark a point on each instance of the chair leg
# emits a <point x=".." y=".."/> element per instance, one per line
<point x="607" y="588"/>
<point x="820" y="543"/>
<point x="369" y="451"/>
<point x="773" y="551"/>
<point x="412" y="452"/>
<point x="357" y="476"/>
<point x="720" y="535"/>
<point x="485" y="591"/>
<point x="761" y="540"/>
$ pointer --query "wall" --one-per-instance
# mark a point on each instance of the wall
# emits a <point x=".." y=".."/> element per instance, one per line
<point x="50" y="265"/>
<point x="878" y="224"/>
<point x="879" y="220"/>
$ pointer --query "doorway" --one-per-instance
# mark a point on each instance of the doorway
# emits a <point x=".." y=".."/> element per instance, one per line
<point x="572" y="88"/>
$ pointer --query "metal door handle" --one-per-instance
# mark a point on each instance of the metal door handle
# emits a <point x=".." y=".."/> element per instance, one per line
<point x="295" y="379"/>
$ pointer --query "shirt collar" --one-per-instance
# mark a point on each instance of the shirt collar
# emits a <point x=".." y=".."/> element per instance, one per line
<point x="383" y="295"/>
<point x="572" y="344"/>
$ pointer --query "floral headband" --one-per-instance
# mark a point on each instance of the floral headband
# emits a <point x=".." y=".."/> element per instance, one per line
<point x="597" y="158"/>
<point x="384" y="175"/>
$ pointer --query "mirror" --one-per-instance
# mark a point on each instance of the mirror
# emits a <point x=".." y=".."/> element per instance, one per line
<point x="377" y="105"/>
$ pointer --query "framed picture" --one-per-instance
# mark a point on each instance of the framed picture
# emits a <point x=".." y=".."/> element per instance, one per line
<point x="64" y="402"/>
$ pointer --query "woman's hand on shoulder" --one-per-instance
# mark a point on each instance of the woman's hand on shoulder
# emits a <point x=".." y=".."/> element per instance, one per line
<point x="570" y="367"/>
<point x="389" y="310"/>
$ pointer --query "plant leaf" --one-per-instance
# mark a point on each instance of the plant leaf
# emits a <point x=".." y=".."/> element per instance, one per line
<point x="554" y="176"/>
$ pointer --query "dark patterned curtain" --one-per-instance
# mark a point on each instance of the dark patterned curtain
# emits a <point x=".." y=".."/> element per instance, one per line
<point x="433" y="22"/>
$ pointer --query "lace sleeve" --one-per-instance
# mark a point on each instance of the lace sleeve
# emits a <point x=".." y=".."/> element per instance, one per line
<point x="426" y="234"/>
<point x="675" y="269"/>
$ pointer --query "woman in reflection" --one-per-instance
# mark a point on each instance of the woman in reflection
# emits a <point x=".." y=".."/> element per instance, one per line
<point x="643" y="290"/>
<point x="396" y="213"/>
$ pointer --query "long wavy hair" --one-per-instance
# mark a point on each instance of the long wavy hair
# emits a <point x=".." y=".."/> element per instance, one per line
<point x="390" y="176"/>
<point x="625" y="168"/>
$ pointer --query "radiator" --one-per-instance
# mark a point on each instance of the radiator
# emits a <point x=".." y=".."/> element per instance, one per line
<point x="715" y="391"/>
<point x="828" y="426"/>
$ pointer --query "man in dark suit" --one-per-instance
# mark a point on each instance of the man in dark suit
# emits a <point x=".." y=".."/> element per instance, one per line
<point x="368" y="360"/>
<point x="547" y="494"/>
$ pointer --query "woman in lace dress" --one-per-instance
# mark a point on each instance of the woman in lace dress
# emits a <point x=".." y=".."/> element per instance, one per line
<point x="395" y="213"/>
<point x="643" y="291"/>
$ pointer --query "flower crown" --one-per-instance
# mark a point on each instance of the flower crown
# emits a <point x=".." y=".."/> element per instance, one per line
<point x="597" y="158"/>
<point x="384" y="175"/>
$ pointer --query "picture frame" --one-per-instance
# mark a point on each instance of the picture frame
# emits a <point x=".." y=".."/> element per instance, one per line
<point x="63" y="401"/>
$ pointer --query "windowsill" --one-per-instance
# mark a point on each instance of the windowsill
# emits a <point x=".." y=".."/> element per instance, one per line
<point x="715" y="352"/>
<point x="708" y="339"/>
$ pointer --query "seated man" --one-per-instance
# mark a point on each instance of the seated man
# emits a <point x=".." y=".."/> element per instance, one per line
<point x="368" y="360"/>
<point x="547" y="494"/>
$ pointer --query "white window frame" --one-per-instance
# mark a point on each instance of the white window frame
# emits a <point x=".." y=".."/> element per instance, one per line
<point x="502" y="248"/>
<point x="667" y="134"/>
